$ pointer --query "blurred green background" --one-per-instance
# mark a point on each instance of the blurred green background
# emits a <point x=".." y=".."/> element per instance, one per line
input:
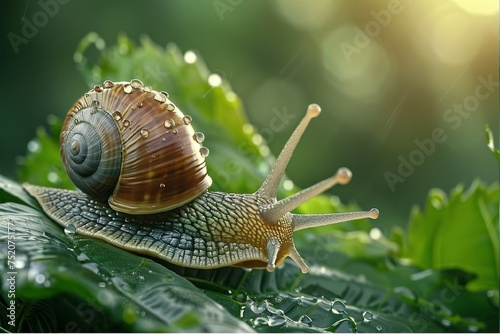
<point x="386" y="73"/>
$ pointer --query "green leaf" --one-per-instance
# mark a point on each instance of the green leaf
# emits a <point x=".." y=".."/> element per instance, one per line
<point x="490" y="142"/>
<point x="459" y="231"/>
<point x="134" y="293"/>
<point x="42" y="164"/>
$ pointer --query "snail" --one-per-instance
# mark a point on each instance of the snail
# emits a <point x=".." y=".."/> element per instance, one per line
<point x="143" y="182"/>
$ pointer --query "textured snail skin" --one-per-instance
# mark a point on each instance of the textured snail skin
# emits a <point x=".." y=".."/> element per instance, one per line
<point x="214" y="230"/>
<point x="141" y="171"/>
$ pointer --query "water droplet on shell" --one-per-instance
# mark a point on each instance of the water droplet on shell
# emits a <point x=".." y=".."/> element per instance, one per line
<point x="127" y="88"/>
<point x="199" y="137"/>
<point x="136" y="83"/>
<point x="144" y="133"/>
<point x="204" y="152"/>
<point x="160" y="98"/>
<point x="169" y="123"/>
<point x="108" y="84"/>
<point x="117" y="115"/>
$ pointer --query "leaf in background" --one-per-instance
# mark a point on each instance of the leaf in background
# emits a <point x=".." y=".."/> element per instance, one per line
<point x="458" y="232"/>
<point x="42" y="164"/>
<point x="490" y="142"/>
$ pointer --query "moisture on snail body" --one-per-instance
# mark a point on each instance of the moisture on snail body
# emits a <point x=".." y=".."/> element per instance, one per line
<point x="141" y="170"/>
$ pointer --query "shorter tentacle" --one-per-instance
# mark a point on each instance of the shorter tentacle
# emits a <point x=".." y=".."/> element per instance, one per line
<point x="273" y="247"/>
<point x="272" y="212"/>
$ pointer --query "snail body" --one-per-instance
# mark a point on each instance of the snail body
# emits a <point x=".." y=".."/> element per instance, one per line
<point x="141" y="170"/>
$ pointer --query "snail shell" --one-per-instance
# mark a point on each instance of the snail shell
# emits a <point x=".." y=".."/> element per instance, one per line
<point x="130" y="145"/>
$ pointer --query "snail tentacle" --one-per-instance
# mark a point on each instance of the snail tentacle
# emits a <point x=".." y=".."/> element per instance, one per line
<point x="273" y="211"/>
<point x="269" y="187"/>
<point x="303" y="221"/>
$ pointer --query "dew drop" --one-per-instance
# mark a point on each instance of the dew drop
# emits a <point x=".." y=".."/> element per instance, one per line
<point x="108" y="84"/>
<point x="276" y="320"/>
<point x="160" y="98"/>
<point x="493" y="296"/>
<point x="97" y="89"/>
<point x="204" y="152"/>
<point x="20" y="264"/>
<point x="174" y="131"/>
<point x="164" y="93"/>
<point x="162" y="185"/>
<point x="101" y="284"/>
<point x="240" y="296"/>
<point x="170" y="107"/>
<point x="117" y="115"/>
<point x="214" y="80"/>
<point x="34" y="146"/>
<point x="136" y="83"/>
<point x="260" y="321"/>
<point x="140" y="104"/>
<point x="187" y="119"/>
<point x="288" y="184"/>
<point x="199" y="137"/>
<point x="40" y="278"/>
<point x="95" y="103"/>
<point x="169" y="123"/>
<point x="127" y="88"/>
<point x="144" y="133"/>
<point x="305" y="319"/>
<point x="53" y="177"/>
<point x="258" y="307"/>
<point x="190" y="57"/>
<point x="338" y="306"/>
<point x="70" y="229"/>
<point x="379" y="328"/>
<point x="275" y="310"/>
<point x="126" y="123"/>
<point x="94" y="110"/>
<point x="76" y="121"/>
<point x="367" y="316"/>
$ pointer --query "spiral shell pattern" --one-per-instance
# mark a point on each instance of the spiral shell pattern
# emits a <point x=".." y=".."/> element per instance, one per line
<point x="129" y="144"/>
